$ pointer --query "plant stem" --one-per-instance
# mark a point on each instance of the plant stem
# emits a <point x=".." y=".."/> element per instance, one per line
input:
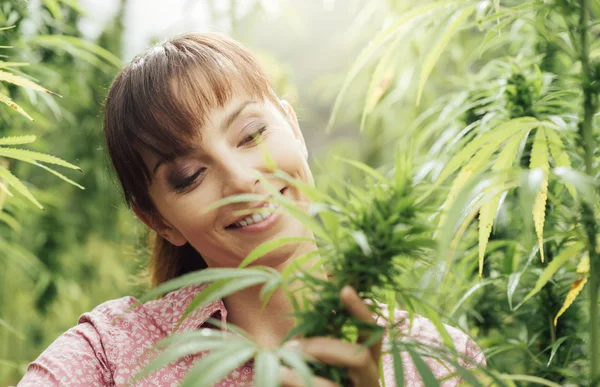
<point x="588" y="215"/>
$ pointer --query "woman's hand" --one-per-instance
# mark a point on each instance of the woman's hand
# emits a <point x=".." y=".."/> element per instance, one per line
<point x="362" y="363"/>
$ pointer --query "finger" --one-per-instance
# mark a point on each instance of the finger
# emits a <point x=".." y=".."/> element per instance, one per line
<point x="290" y="378"/>
<point x="356" y="305"/>
<point x="359" y="309"/>
<point x="338" y="353"/>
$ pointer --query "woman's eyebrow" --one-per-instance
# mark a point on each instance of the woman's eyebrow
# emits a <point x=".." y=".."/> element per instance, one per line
<point x="161" y="162"/>
<point x="226" y="123"/>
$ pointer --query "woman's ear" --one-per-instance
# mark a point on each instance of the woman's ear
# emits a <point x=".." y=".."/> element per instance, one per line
<point x="295" y="125"/>
<point x="162" y="227"/>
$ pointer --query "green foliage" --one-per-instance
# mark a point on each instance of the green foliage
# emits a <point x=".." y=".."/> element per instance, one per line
<point x="505" y="132"/>
<point x="518" y="78"/>
<point x="80" y="249"/>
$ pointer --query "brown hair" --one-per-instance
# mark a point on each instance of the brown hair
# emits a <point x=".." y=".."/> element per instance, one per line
<point x="158" y="102"/>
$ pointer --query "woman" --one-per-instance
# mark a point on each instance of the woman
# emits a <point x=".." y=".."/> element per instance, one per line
<point x="182" y="125"/>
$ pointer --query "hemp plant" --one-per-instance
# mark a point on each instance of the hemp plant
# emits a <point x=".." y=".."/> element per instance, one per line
<point x="378" y="234"/>
<point x="520" y="145"/>
<point x="522" y="141"/>
<point x="367" y="236"/>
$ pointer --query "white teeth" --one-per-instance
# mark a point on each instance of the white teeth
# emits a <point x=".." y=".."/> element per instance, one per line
<point x="256" y="218"/>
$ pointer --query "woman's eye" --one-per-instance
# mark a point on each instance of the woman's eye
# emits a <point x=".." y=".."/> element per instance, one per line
<point x="254" y="136"/>
<point x="186" y="182"/>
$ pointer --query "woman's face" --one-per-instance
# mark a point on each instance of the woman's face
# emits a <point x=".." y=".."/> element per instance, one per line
<point x="226" y="161"/>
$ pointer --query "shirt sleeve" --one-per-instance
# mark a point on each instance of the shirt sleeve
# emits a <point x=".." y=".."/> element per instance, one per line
<point x="424" y="331"/>
<point x="76" y="358"/>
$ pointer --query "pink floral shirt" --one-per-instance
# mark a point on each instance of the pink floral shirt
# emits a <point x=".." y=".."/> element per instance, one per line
<point x="110" y="344"/>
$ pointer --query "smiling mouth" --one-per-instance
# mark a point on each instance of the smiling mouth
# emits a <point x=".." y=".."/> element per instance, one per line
<point x="258" y="217"/>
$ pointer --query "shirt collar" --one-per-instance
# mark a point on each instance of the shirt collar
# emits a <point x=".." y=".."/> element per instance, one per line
<point x="171" y="307"/>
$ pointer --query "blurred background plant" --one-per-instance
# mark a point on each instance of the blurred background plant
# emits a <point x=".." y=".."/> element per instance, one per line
<point x="488" y="65"/>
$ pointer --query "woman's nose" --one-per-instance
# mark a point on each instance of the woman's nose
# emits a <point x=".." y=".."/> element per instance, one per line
<point x="239" y="178"/>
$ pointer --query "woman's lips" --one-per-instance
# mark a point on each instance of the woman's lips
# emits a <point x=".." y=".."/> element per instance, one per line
<point x="263" y="225"/>
<point x="268" y="219"/>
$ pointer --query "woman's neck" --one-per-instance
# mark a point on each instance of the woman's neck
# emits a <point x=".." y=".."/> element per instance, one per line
<point x="268" y="326"/>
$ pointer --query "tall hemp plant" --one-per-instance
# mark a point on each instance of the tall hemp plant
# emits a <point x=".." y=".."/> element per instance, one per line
<point x="34" y="36"/>
<point x="10" y="74"/>
<point x="527" y="143"/>
<point x="368" y="237"/>
<point x="521" y="90"/>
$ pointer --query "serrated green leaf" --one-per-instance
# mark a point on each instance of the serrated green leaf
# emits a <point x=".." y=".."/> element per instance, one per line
<point x="20" y="81"/>
<point x="298" y="213"/>
<point x="267" y="156"/>
<point x="10" y="221"/>
<point x="539" y="159"/>
<point x="531" y="379"/>
<point x="216" y="366"/>
<point x="435" y="319"/>
<point x="296" y="361"/>
<point x="76" y="6"/>
<point x="363" y="167"/>
<point x="59" y="175"/>
<point x="555" y="347"/>
<point x="576" y="288"/>
<point x="54" y="9"/>
<point x="456" y="22"/>
<point x="511" y="287"/>
<point x="514" y="278"/>
<point x="361" y="240"/>
<point x="17" y="140"/>
<point x="382" y="382"/>
<point x="497" y="135"/>
<point x="9" y="102"/>
<point x="213" y="335"/>
<point x="560" y="156"/>
<point x="470" y="292"/>
<point x="487" y="214"/>
<point x="31" y="157"/>
<point x="202" y="277"/>
<point x="4" y="64"/>
<point x="488" y="211"/>
<point x="241" y="198"/>
<point x="179" y="350"/>
<point x="69" y="42"/>
<point x="310" y="191"/>
<point x="5" y="191"/>
<point x="495" y="32"/>
<point x="390" y="301"/>
<point x="557" y="262"/>
<point x="471" y="168"/>
<point x="14" y="182"/>
<point x="427" y="376"/>
<point x="266" y="369"/>
<point x="381" y="38"/>
<point x="583" y="267"/>
<point x="267" y="291"/>
<point x="298" y="263"/>
<point x="398" y="365"/>
<point x="11" y="329"/>
<point x="583" y="183"/>
<point x="270" y="245"/>
<point x="380" y="82"/>
<point x="218" y="290"/>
